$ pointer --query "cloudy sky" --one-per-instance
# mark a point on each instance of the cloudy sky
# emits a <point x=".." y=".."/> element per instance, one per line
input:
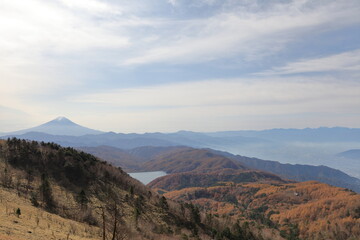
<point x="168" y="65"/>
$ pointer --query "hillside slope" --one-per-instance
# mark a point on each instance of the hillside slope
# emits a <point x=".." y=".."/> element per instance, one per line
<point x="186" y="160"/>
<point x="195" y="179"/>
<point x="129" y="159"/>
<point x="308" y="210"/>
<point x="115" y="156"/>
<point x="78" y="186"/>
<point x="35" y="223"/>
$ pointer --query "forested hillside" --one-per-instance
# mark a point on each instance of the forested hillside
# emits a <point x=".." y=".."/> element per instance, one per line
<point x="79" y="187"/>
<point x="308" y="210"/>
<point x="186" y="160"/>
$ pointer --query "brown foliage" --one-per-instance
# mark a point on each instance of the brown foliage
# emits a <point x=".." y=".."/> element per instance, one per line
<point x="319" y="211"/>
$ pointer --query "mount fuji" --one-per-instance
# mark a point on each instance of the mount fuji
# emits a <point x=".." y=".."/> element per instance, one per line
<point x="59" y="126"/>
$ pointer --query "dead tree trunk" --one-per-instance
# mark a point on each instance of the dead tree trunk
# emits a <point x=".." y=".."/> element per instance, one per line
<point x="104" y="221"/>
<point x="115" y="221"/>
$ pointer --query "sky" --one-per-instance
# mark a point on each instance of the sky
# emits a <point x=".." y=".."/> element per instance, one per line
<point x="170" y="65"/>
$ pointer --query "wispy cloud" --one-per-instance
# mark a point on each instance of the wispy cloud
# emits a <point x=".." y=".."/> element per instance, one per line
<point x="343" y="62"/>
<point x="92" y="6"/>
<point x="39" y="27"/>
<point x="227" y="100"/>
<point x="173" y="2"/>
<point x="244" y="32"/>
<point x="237" y="92"/>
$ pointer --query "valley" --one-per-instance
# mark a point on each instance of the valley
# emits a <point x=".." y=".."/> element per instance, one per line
<point x="190" y="193"/>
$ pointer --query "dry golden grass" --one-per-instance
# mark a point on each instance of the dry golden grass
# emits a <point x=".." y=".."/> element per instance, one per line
<point x="36" y="224"/>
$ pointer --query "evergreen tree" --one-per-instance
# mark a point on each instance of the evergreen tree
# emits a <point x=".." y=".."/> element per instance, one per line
<point x="34" y="200"/>
<point x="46" y="192"/>
<point x="18" y="212"/>
<point x="82" y="199"/>
<point x="163" y="203"/>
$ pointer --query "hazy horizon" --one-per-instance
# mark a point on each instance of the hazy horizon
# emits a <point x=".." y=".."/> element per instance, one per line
<point x="179" y="130"/>
<point x="170" y="65"/>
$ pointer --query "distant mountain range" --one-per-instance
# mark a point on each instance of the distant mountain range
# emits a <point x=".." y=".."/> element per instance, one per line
<point x="299" y="172"/>
<point x="67" y="132"/>
<point x="322" y="134"/>
<point x="352" y="154"/>
<point x="317" y="146"/>
<point x="59" y="134"/>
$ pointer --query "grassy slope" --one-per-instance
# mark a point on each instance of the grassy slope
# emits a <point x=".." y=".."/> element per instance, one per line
<point x="35" y="223"/>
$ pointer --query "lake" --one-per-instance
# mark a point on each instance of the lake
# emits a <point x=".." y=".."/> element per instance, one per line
<point x="146" y="177"/>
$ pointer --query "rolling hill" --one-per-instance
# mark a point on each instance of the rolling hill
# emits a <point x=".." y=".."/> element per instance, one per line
<point x="179" y="181"/>
<point x="186" y="160"/>
<point x="115" y="156"/>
